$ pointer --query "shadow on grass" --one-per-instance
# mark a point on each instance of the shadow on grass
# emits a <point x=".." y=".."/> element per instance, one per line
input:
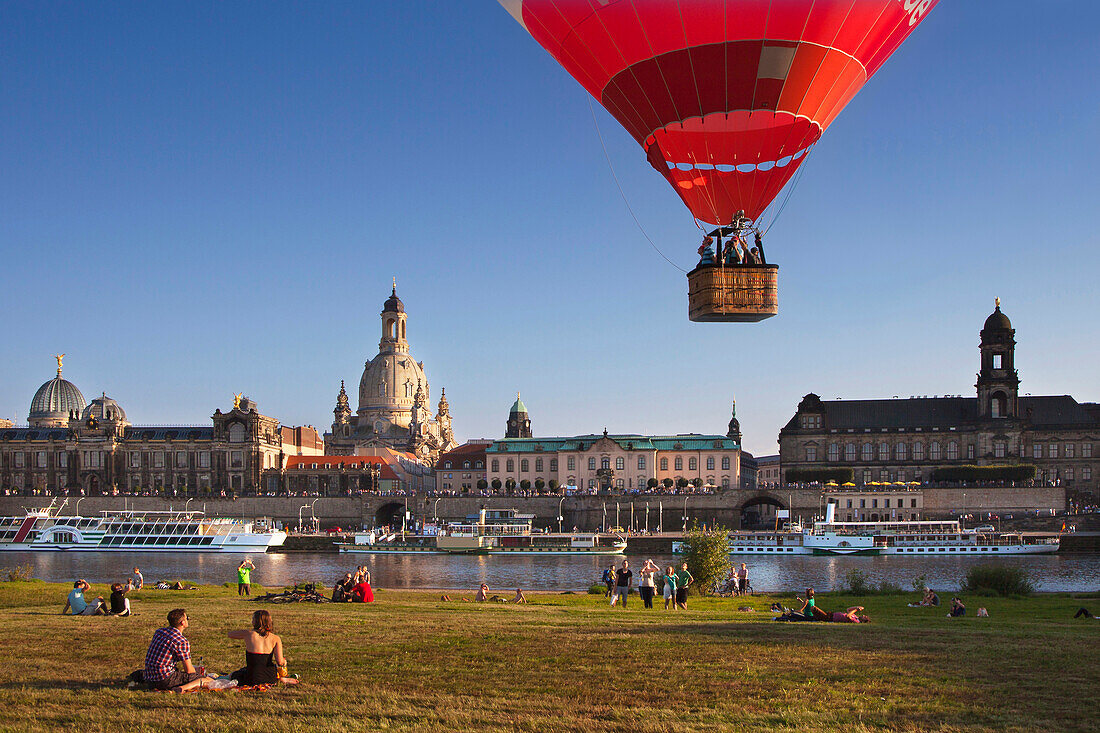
<point x="54" y="685"/>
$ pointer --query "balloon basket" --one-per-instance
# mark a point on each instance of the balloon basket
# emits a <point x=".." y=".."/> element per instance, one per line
<point x="733" y="294"/>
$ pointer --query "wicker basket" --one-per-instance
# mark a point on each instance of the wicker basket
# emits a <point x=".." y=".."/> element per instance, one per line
<point x="733" y="294"/>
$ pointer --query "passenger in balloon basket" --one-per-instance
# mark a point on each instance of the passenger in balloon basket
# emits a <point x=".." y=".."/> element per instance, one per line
<point x="706" y="252"/>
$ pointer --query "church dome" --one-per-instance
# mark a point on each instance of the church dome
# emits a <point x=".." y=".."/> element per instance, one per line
<point x="53" y="403"/>
<point x="104" y="409"/>
<point x="517" y="406"/>
<point x="997" y="321"/>
<point x="389" y="382"/>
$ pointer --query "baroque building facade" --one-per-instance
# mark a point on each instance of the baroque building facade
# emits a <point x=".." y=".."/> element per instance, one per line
<point x="608" y="462"/>
<point x="393" y="410"/>
<point x="904" y="439"/>
<point x="70" y="446"/>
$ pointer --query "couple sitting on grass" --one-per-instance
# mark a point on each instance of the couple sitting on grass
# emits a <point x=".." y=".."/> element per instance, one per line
<point x="264" y="660"/>
<point x="810" y="612"/>
<point x="353" y="588"/>
<point x="78" y="605"/>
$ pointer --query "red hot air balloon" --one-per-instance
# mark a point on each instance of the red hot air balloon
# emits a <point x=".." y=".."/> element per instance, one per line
<point x="726" y="97"/>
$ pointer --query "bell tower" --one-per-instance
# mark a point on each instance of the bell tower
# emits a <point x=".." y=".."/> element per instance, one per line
<point x="519" y="422"/>
<point x="394" y="340"/>
<point x="998" y="382"/>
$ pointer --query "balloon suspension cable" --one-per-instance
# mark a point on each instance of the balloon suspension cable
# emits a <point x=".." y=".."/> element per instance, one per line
<point x="790" y="190"/>
<point x="622" y="193"/>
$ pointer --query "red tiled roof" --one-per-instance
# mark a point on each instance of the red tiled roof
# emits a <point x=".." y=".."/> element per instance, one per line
<point x="306" y="463"/>
<point x="467" y="451"/>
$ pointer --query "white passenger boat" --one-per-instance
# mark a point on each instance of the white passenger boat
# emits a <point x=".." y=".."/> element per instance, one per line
<point x="136" y="531"/>
<point x="918" y="537"/>
<point x="508" y="533"/>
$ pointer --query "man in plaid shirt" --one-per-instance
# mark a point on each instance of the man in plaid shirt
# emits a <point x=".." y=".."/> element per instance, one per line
<point x="168" y="647"/>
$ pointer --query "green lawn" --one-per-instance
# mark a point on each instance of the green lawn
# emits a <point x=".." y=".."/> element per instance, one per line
<point x="564" y="662"/>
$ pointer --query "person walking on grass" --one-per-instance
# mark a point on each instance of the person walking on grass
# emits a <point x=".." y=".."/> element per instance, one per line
<point x="609" y="580"/>
<point x="669" y="579"/>
<point x="244" y="577"/>
<point x="622" y="582"/>
<point x="683" y="580"/>
<point x="168" y="647"/>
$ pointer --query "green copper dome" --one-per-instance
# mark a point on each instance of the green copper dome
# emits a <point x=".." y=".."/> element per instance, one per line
<point x="517" y="406"/>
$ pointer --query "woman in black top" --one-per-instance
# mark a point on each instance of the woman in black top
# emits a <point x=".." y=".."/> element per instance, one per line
<point x="120" y="604"/>
<point x="263" y="653"/>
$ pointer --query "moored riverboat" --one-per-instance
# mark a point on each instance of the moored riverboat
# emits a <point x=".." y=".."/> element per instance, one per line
<point x="135" y="531"/>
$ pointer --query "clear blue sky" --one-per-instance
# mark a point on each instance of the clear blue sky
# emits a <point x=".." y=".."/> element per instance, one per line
<point x="202" y="198"/>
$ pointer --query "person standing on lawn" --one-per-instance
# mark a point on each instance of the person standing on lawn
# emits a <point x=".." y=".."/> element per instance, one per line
<point x="669" y="579"/>
<point x="646" y="584"/>
<point x="622" y="582"/>
<point x="244" y="577"/>
<point x="683" y="580"/>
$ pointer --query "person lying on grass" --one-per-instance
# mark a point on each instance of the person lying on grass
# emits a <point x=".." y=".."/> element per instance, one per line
<point x="168" y="647"/>
<point x="264" y="663"/>
<point x="851" y="616"/>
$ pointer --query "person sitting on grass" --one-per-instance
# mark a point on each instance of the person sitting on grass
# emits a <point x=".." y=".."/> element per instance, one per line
<point x="81" y="607"/>
<point x="263" y="653"/>
<point x="120" y="604"/>
<point x="482" y="594"/>
<point x="519" y="597"/>
<point x="930" y="599"/>
<point x="168" y="647"/>
<point x="957" y="608"/>
<point x="851" y="616"/>
<point x="362" y="592"/>
<point x="341" y="590"/>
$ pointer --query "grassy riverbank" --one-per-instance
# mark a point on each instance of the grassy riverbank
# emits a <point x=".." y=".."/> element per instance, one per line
<point x="564" y="662"/>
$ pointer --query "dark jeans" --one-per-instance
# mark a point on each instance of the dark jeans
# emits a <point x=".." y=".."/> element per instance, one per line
<point x="610" y="588"/>
<point x="243" y="589"/>
<point x="1082" y="612"/>
<point x="646" y="592"/>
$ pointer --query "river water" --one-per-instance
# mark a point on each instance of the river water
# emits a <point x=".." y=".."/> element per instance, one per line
<point x="1059" y="572"/>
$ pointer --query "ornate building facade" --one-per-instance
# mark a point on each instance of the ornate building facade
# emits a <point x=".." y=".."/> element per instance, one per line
<point x="904" y="439"/>
<point x="613" y="462"/>
<point x="394" y="396"/>
<point x="69" y="446"/>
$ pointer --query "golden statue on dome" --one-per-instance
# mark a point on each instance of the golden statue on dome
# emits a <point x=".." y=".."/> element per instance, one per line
<point x="59" y="357"/>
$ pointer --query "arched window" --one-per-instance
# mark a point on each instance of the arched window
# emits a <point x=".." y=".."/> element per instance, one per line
<point x="834" y="452"/>
<point x="952" y="451"/>
<point x="850" y="452"/>
<point x="725" y="482"/>
<point x="868" y="451"/>
<point x="664" y="464"/>
<point x="710" y="463"/>
<point x="679" y="463"/>
<point x="899" y="452"/>
<point x="693" y="464"/>
<point x="496" y="465"/>
<point x="997" y="405"/>
<point x="934" y="450"/>
<point x="389" y="328"/>
<point x="465" y="464"/>
<point x="479" y="464"/>
<point x="447" y="464"/>
<point x="402" y="329"/>
<point x="725" y="463"/>
<point x="918" y="451"/>
<point x="605" y="462"/>
<point x="524" y="466"/>
<point x="236" y="433"/>
<point x="620" y="464"/>
<point x="538" y="465"/>
<point x="591" y="464"/>
<point x="510" y="465"/>
<point x="884" y="451"/>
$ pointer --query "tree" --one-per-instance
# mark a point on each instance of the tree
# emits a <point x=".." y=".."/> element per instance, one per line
<point x="496" y="484"/>
<point x="525" y="484"/>
<point x="483" y="484"/>
<point x="553" y="484"/>
<point x="668" y="483"/>
<point x="540" y="484"/>
<point x="681" y="482"/>
<point x="707" y="556"/>
<point x="652" y="483"/>
<point x="510" y="484"/>
<point x="697" y="482"/>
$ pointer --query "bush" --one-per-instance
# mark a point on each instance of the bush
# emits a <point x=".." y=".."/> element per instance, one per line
<point x="496" y="484"/>
<point x="857" y="584"/>
<point x="839" y="474"/>
<point x="597" y="589"/>
<point x="553" y="484"/>
<point x="919" y="584"/>
<point x="540" y="484"/>
<point x="979" y="474"/>
<point x="482" y="484"/>
<point x="525" y="484"/>
<point x="21" y="573"/>
<point x="1000" y="579"/>
<point x="707" y="554"/>
<point x="886" y="588"/>
<point x="652" y="483"/>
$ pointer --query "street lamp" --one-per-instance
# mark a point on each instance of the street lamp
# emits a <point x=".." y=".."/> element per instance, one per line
<point x="316" y="524"/>
<point x="186" y="503"/>
<point x="685" y="517"/>
<point x="77" y="512"/>
<point x="435" y="510"/>
<point x="300" y="510"/>
<point x="560" y="514"/>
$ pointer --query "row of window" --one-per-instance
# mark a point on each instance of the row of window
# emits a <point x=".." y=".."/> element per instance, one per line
<point x="936" y="451"/>
<point x="898" y="503"/>
<point x="605" y="463"/>
<point x="477" y="464"/>
<point x="152" y="459"/>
